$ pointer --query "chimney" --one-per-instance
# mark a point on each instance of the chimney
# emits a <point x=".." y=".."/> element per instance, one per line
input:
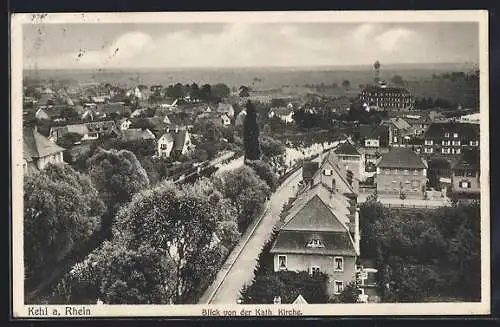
<point x="357" y="236"/>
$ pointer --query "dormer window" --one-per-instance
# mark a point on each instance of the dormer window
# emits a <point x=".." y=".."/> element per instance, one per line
<point x="455" y="135"/>
<point x="446" y="134"/>
<point x="315" y="243"/>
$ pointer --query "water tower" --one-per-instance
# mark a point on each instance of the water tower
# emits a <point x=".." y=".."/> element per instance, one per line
<point x="376" y="72"/>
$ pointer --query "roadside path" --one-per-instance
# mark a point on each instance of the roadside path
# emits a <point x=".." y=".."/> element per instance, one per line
<point x="238" y="269"/>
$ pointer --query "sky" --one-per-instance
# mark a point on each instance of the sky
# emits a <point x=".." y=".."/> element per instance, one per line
<point x="165" y="45"/>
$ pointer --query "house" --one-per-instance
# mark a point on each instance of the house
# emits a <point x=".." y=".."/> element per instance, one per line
<point x="226" y="121"/>
<point x="350" y="157"/>
<point x="319" y="233"/>
<point x="111" y="109"/>
<point x="41" y="114"/>
<point x="226" y="108"/>
<point x="466" y="173"/>
<point x="39" y="151"/>
<point x="333" y="174"/>
<point x="419" y="123"/>
<point x="88" y="131"/>
<point x="124" y="124"/>
<point x="400" y="131"/>
<point x="401" y="171"/>
<point x="283" y="113"/>
<point x="240" y="118"/>
<point x="388" y="98"/>
<point x="471" y="118"/>
<point x="165" y="145"/>
<point x="174" y="143"/>
<point x="374" y="138"/>
<point x="451" y="138"/>
<point x="136" y="134"/>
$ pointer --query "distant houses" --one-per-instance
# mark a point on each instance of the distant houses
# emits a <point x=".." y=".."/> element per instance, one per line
<point x="451" y="138"/>
<point x="285" y="114"/>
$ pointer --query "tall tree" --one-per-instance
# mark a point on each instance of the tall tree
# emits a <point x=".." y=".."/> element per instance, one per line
<point x="220" y="91"/>
<point x="244" y="91"/>
<point x="251" y="134"/>
<point x="206" y="92"/>
<point x="246" y="191"/>
<point x="346" y="84"/>
<point x="183" y="225"/>
<point x="62" y="210"/>
<point x="117" y="176"/>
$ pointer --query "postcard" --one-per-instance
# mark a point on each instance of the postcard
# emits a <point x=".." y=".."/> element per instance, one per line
<point x="235" y="164"/>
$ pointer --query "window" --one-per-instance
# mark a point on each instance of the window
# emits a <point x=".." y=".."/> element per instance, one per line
<point x="315" y="270"/>
<point x="315" y="243"/>
<point x="327" y="172"/>
<point x="338" y="286"/>
<point x="457" y="151"/>
<point x="464" y="184"/>
<point x="406" y="172"/>
<point x="445" y="150"/>
<point x="415" y="172"/>
<point x="470" y="173"/>
<point x="395" y="139"/>
<point x="338" y="264"/>
<point x="428" y="150"/>
<point x="428" y="142"/>
<point x="474" y="143"/>
<point x="163" y="146"/>
<point x="282" y="262"/>
<point x="387" y="171"/>
<point x="445" y="143"/>
<point x="446" y="134"/>
<point x="455" y="143"/>
<point x="455" y="135"/>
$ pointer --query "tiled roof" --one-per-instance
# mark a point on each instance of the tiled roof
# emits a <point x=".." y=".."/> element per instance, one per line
<point x="314" y="216"/>
<point x="400" y="123"/>
<point x="401" y="158"/>
<point x="470" y="159"/>
<point x="77" y="128"/>
<point x="384" y="90"/>
<point x="346" y="148"/>
<point x="35" y="145"/>
<point x="464" y="130"/>
<point x="332" y="158"/>
<point x="179" y="138"/>
<point x="134" y="134"/>
<point x="335" y="243"/>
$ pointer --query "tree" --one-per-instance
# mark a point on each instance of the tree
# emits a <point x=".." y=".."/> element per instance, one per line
<point x="263" y="170"/>
<point x="220" y="91"/>
<point x="348" y="295"/>
<point x="68" y="140"/>
<point x="246" y="191"/>
<point x="117" y="175"/>
<point x="278" y="102"/>
<point x="62" y="210"/>
<point x="251" y="134"/>
<point x="397" y="80"/>
<point x="209" y="129"/>
<point x="194" y="92"/>
<point x="182" y="224"/>
<point x="69" y="114"/>
<point x="206" y="92"/>
<point x="244" y="91"/>
<point x="287" y="285"/>
<point x="346" y="84"/>
<point x="176" y="91"/>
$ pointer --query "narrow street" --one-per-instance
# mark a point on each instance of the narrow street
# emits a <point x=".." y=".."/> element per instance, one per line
<point x="239" y="267"/>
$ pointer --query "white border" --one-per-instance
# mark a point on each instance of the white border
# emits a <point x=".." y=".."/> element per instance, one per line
<point x="481" y="17"/>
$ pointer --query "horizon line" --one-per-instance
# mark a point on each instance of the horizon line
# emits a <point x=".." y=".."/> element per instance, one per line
<point x="260" y="67"/>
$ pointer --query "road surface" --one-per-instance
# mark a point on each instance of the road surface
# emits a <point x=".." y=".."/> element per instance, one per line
<point x="239" y="267"/>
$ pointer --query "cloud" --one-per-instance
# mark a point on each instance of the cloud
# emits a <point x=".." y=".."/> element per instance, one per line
<point x="394" y="39"/>
<point x="245" y="44"/>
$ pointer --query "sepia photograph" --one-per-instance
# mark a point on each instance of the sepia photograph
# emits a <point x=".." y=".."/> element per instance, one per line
<point x="250" y="164"/>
